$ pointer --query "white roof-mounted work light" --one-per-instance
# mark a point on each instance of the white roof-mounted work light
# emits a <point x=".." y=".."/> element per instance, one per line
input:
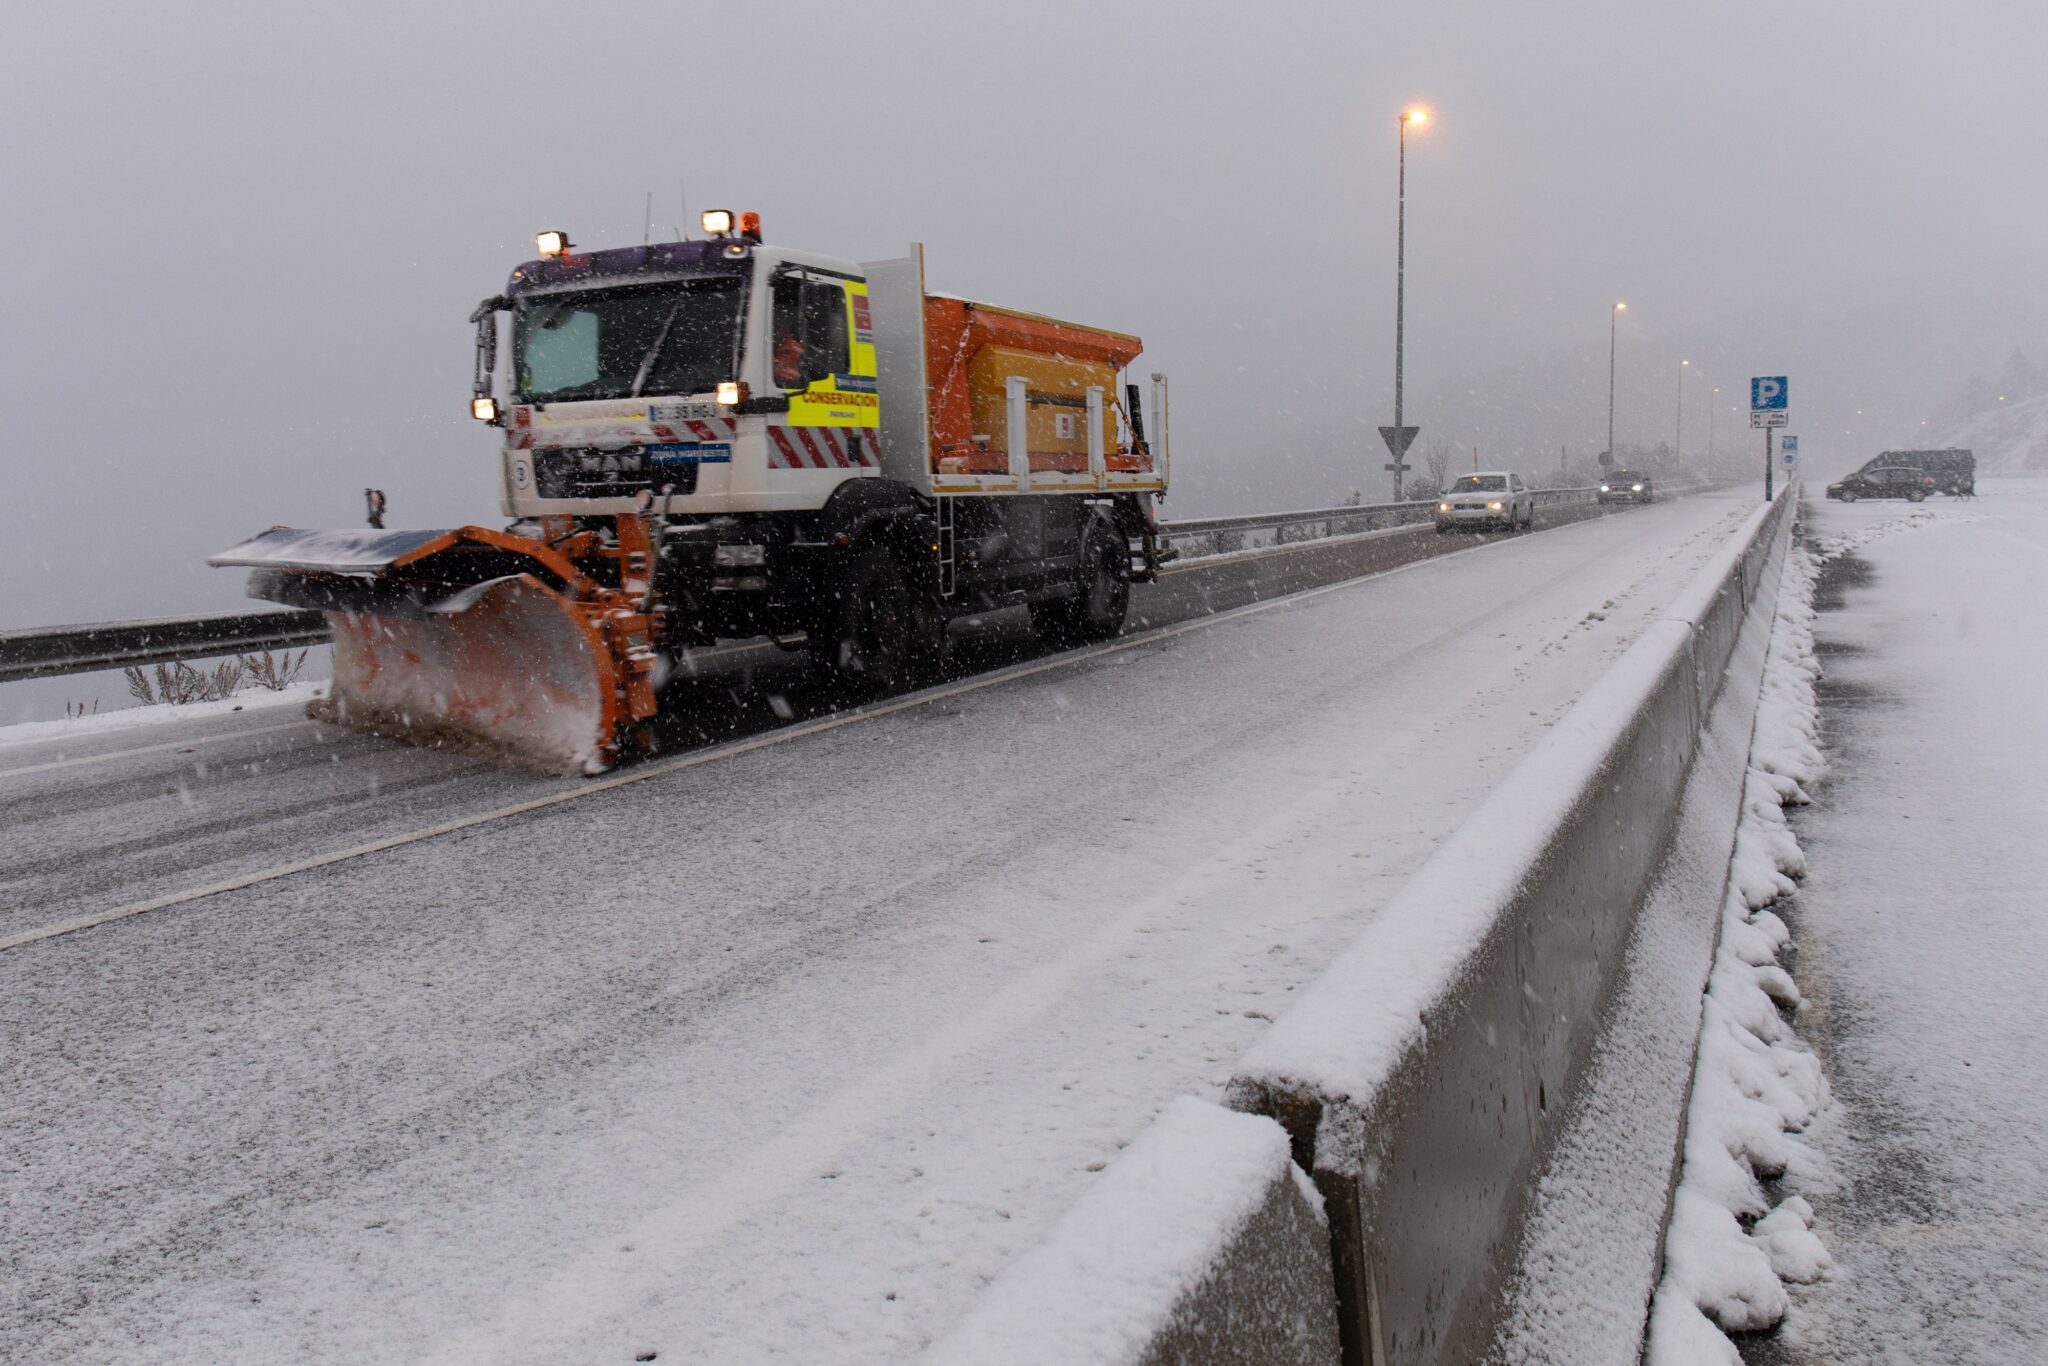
<point x="717" y="222"/>
<point x="553" y="242"/>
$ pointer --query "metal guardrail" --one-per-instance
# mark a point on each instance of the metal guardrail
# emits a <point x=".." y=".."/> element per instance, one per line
<point x="51" y="651"/>
<point x="1201" y="537"/>
<point x="48" y="651"/>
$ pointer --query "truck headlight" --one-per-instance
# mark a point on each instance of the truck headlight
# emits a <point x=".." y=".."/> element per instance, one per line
<point x="553" y="242"/>
<point x="717" y="222"/>
<point x="732" y="393"/>
<point x="484" y="409"/>
<point x="1638" y="488"/>
<point x="1605" y="489"/>
<point x="1493" y="507"/>
<point x="1443" y="507"/>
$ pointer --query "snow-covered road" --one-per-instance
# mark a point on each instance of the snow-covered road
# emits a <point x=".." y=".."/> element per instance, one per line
<point x="126" y="808"/>
<point x="777" y="1056"/>
<point x="1922" y="934"/>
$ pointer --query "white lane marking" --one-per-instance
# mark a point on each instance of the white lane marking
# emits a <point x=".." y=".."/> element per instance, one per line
<point x="663" y="768"/>
<point x="82" y="759"/>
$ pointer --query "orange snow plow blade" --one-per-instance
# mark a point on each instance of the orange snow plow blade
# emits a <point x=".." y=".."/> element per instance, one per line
<point x="519" y="670"/>
<point x="473" y="637"/>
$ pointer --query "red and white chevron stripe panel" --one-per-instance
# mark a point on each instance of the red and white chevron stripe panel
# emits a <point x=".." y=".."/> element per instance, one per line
<point x="822" y="448"/>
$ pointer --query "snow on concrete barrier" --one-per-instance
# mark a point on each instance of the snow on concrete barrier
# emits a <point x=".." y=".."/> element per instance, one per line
<point x="1203" y="1243"/>
<point x="1424" y="1076"/>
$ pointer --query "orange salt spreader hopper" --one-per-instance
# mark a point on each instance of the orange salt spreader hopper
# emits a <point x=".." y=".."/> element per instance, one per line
<point x="971" y="348"/>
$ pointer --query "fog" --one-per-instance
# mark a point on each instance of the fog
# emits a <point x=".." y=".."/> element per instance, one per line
<point x="247" y="237"/>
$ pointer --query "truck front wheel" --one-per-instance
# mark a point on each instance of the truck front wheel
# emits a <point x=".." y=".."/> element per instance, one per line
<point x="868" y="634"/>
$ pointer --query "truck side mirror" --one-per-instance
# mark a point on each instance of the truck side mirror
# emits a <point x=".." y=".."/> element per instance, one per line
<point x="486" y="319"/>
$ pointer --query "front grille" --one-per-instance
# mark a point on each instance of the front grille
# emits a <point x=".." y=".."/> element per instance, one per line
<point x="581" y="472"/>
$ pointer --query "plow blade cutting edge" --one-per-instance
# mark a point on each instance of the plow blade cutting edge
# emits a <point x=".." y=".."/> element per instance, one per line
<point x="469" y="636"/>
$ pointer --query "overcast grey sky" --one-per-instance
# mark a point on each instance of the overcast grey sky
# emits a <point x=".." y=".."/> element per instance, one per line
<point x="247" y="236"/>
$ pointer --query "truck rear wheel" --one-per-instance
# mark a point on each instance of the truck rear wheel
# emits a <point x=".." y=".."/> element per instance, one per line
<point x="1101" y="599"/>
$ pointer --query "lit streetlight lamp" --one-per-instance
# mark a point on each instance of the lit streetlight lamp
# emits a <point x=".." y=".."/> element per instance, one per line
<point x="1418" y="116"/>
<point x="1613" y="314"/>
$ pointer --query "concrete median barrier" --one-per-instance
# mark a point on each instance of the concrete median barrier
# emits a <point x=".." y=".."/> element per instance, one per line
<point x="1423" y="1078"/>
<point x="1203" y="1243"/>
<point x="1420" y="1082"/>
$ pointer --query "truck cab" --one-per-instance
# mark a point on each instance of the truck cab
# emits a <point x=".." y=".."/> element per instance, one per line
<point x="719" y="376"/>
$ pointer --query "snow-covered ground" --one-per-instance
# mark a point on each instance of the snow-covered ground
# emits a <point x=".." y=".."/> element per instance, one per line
<point x="1732" y="1244"/>
<point x="1921" y="935"/>
<point x="781" y="1055"/>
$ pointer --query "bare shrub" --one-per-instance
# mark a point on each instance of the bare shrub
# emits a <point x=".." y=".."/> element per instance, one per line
<point x="178" y="683"/>
<point x="1436" y="458"/>
<point x="275" y="672"/>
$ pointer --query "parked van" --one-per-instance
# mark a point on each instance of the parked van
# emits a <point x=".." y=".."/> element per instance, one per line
<point x="1954" y="471"/>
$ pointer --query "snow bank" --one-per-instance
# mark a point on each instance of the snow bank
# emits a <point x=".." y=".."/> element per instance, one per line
<point x="131" y="718"/>
<point x="1203" y="1239"/>
<point x="1756" y="1088"/>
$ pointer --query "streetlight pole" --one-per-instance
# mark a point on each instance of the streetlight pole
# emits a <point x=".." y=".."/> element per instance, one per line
<point x="1417" y="116"/>
<point x="1613" y="314"/>
<point x="1678" y="437"/>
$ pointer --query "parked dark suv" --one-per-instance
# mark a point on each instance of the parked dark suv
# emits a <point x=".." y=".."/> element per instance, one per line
<point x="1909" y="482"/>
<point x="1625" y="486"/>
<point x="1954" y="471"/>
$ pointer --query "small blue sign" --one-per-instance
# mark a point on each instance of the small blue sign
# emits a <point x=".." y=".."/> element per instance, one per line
<point x="690" y="453"/>
<point x="1768" y="392"/>
<point x="1789" y="445"/>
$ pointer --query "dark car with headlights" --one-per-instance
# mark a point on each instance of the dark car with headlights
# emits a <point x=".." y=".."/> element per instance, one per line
<point x="1909" y="482"/>
<point x="1625" y="486"/>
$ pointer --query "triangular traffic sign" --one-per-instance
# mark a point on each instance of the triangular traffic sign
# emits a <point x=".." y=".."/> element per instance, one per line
<point x="1398" y="439"/>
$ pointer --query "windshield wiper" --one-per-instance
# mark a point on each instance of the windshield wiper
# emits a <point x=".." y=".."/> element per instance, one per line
<point x="654" y="351"/>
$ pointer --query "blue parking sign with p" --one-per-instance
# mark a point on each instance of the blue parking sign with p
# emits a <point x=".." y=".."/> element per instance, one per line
<point x="1767" y="392"/>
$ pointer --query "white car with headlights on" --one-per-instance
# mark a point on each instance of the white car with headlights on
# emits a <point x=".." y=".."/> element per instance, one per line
<point x="1492" y="498"/>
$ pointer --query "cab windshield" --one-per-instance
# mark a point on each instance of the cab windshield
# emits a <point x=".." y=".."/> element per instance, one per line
<point x="676" y="337"/>
<point x="1480" y="483"/>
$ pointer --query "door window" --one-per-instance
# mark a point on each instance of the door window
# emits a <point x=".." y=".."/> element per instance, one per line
<point x="807" y="331"/>
<point x="824" y="331"/>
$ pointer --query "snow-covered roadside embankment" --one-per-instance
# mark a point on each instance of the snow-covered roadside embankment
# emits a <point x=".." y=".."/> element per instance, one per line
<point x="1756" y="1087"/>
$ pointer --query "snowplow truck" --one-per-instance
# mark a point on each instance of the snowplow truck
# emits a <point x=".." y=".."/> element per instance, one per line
<point x="722" y="439"/>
